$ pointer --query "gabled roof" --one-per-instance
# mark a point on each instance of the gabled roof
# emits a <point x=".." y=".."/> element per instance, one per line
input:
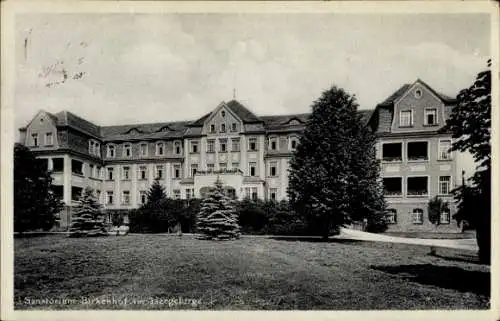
<point x="366" y="114"/>
<point x="398" y="93"/>
<point x="389" y="101"/>
<point x="242" y="112"/>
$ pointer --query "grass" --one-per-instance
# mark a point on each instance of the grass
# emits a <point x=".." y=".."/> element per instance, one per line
<point x="250" y="273"/>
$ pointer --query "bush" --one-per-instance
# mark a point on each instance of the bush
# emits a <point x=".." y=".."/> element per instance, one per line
<point x="253" y="216"/>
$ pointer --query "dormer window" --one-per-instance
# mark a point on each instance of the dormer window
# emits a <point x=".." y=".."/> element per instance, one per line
<point x="212" y="128"/>
<point x="110" y="153"/>
<point x="177" y="148"/>
<point x="273" y="143"/>
<point x="430" y="116"/>
<point x="222" y="128"/>
<point x="294" y="142"/>
<point x="94" y="148"/>
<point x="127" y="150"/>
<point x="160" y="149"/>
<point x="405" y="118"/>
<point x="34" y="139"/>
<point x="143" y="149"/>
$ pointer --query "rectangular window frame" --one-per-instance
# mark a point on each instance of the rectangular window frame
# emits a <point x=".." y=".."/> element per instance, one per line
<point x="449" y="185"/>
<point x="401" y="112"/>
<point x="49" y="142"/>
<point x="388" y="143"/>
<point x="428" y="111"/>
<point x="408" y="149"/>
<point x="407" y="194"/>
<point x="401" y="189"/>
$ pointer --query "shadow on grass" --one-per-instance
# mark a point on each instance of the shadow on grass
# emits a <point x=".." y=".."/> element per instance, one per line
<point x="314" y="239"/>
<point x="447" y="277"/>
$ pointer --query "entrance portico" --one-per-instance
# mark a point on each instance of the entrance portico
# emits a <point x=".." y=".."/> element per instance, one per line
<point x="231" y="179"/>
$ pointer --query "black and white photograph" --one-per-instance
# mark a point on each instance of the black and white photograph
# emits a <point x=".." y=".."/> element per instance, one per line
<point x="217" y="158"/>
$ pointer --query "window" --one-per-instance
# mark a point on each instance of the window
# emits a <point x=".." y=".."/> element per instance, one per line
<point x="405" y="118"/>
<point x="91" y="170"/>
<point x="159" y="171"/>
<point x="210" y="168"/>
<point x="109" y="173"/>
<point x="254" y="193"/>
<point x="444" y="185"/>
<point x="142" y="173"/>
<point x="34" y="139"/>
<point x="222" y="128"/>
<point x="233" y="127"/>
<point x="418" y="93"/>
<point x="392" y="186"/>
<point x="194" y="169"/>
<point x="160" y="149"/>
<point x="110" y="153"/>
<point x="76" y="167"/>
<point x="273" y="143"/>
<point x="143" y="197"/>
<point x="417" y="186"/>
<point x="222" y="167"/>
<point x="273" y="169"/>
<point x="210" y="146"/>
<point x="392" y="152"/>
<point x="252" y="168"/>
<point x="212" y="128"/>
<point x="98" y="195"/>
<point x="444" y="149"/>
<point x="235" y="145"/>
<point x="127" y="150"/>
<point x="223" y="113"/>
<point x="76" y="193"/>
<point x="98" y="172"/>
<point x="417" y="216"/>
<point x="58" y="164"/>
<point x="417" y="151"/>
<point x="49" y="139"/>
<point x="94" y="148"/>
<point x="177" y="193"/>
<point x="444" y="218"/>
<point x="222" y="145"/>
<point x="194" y="147"/>
<point x="235" y="165"/>
<point x="430" y="116"/>
<point x="391" y="216"/>
<point x="177" y="171"/>
<point x="293" y="143"/>
<point x="189" y="193"/>
<point x="252" y="144"/>
<point x="109" y="197"/>
<point x="177" y="148"/>
<point x="273" y="193"/>
<point x="143" y="148"/>
<point x="125" y="197"/>
<point x="126" y="172"/>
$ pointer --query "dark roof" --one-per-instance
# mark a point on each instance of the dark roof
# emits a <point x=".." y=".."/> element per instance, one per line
<point x="445" y="98"/>
<point x="200" y="121"/>
<point x="390" y="100"/>
<point x="66" y="118"/>
<point x="242" y="112"/>
<point x="145" y="131"/>
<point x="366" y="114"/>
<point x="280" y="122"/>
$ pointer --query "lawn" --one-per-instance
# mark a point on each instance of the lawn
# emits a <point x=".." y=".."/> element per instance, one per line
<point x="168" y="272"/>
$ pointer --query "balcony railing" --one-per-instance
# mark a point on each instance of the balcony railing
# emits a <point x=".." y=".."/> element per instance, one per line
<point x="222" y="171"/>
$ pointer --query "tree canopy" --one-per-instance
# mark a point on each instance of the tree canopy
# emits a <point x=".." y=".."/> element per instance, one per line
<point x="334" y="175"/>
<point x="35" y="204"/>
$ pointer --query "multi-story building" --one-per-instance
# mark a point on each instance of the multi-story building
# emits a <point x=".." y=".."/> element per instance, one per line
<point x="250" y="154"/>
<point x="416" y="164"/>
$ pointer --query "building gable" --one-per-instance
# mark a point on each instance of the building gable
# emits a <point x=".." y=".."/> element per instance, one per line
<point x="40" y="128"/>
<point x="222" y="120"/>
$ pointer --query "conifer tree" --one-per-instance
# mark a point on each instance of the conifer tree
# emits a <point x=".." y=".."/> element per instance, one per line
<point x="155" y="193"/>
<point x="334" y="173"/>
<point x="87" y="218"/>
<point x="218" y="218"/>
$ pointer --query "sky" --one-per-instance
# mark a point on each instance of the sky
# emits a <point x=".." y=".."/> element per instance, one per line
<point x="137" y="68"/>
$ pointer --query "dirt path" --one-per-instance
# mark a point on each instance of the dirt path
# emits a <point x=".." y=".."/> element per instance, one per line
<point x="464" y="244"/>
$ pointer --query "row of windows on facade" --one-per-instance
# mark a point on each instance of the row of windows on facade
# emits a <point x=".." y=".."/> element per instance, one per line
<point x="249" y="192"/>
<point x="406" y="118"/>
<point x="417" y="216"/>
<point x="142" y="172"/>
<point x="415" y="151"/>
<point x="415" y="186"/>
<point x="194" y="147"/>
<point x="222" y="128"/>
<point x="77" y="167"/>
